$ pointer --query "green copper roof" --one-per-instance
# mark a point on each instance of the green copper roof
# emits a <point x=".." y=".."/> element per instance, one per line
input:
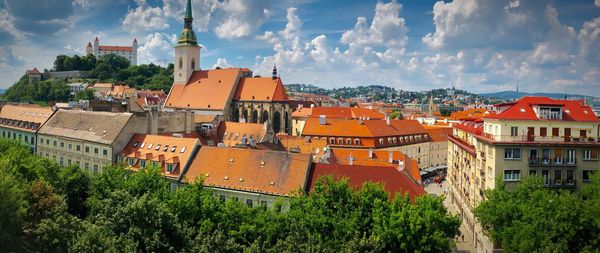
<point x="187" y="35"/>
<point x="188" y="9"/>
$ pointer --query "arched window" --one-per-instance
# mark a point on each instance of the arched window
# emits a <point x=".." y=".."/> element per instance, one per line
<point x="193" y="63"/>
<point x="348" y="141"/>
<point x="332" y="141"/>
<point x="180" y="62"/>
<point x="340" y="141"/>
<point x="357" y="142"/>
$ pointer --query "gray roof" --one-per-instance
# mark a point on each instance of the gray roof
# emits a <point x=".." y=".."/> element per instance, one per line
<point x="100" y="127"/>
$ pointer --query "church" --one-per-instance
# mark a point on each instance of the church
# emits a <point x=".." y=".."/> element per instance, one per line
<point x="232" y="93"/>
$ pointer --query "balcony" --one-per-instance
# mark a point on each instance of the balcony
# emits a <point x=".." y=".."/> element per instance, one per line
<point x="538" y="139"/>
<point x="556" y="161"/>
<point x="544" y="161"/>
<point x="560" y="183"/>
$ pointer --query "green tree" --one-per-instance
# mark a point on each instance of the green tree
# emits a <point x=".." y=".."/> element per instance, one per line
<point x="86" y="94"/>
<point x="532" y="218"/>
<point x="108" y="66"/>
<point x="13" y="208"/>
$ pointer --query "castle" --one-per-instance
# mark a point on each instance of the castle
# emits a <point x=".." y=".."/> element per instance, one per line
<point x="129" y="53"/>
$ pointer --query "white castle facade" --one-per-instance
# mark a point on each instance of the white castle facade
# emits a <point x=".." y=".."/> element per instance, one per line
<point x="129" y="53"/>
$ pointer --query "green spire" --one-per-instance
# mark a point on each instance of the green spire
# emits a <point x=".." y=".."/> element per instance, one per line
<point x="187" y="35"/>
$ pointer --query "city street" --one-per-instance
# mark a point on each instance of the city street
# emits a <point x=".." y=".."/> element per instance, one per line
<point x="461" y="246"/>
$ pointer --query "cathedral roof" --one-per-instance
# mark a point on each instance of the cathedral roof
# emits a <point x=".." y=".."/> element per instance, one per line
<point x="206" y="90"/>
<point x="260" y="89"/>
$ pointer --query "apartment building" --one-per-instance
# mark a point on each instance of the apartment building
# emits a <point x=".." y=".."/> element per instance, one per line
<point x="21" y="123"/>
<point x="555" y="139"/>
<point x="254" y="177"/>
<point x="172" y="153"/>
<point x="92" y="140"/>
<point x="438" y="147"/>
<point x="406" y="136"/>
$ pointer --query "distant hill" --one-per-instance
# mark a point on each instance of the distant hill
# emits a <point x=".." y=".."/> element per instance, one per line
<point x="515" y="95"/>
<point x="2" y="91"/>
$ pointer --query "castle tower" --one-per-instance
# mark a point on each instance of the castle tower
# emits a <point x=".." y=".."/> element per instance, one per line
<point x="89" y="49"/>
<point x="134" y="46"/>
<point x="96" y="46"/>
<point x="187" y="51"/>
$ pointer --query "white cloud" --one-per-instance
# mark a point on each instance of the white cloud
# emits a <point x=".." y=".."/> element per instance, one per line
<point x="597" y="3"/>
<point x="589" y="40"/>
<point x="387" y="28"/>
<point x="556" y="49"/>
<point x="222" y="63"/>
<point x="232" y="19"/>
<point x="157" y="48"/>
<point x="144" y="18"/>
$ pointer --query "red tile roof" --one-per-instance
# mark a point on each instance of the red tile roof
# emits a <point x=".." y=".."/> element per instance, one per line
<point x="262" y="171"/>
<point x="260" y="89"/>
<point x="523" y="109"/>
<point x="116" y="48"/>
<point x="469" y="113"/>
<point x="302" y="112"/>
<point x="393" y="180"/>
<point x="380" y="158"/>
<point x="346" y="113"/>
<point x="34" y="71"/>
<point x="25" y="118"/>
<point x="439" y="134"/>
<point x="366" y="128"/>
<point x="172" y="150"/>
<point x="206" y="90"/>
<point x="233" y="132"/>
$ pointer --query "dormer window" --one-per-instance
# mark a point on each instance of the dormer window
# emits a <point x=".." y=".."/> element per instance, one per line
<point x="549" y="112"/>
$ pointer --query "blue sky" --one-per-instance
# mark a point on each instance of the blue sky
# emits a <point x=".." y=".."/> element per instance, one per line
<point x="479" y="45"/>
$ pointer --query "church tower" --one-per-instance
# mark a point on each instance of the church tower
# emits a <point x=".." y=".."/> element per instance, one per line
<point x="187" y="51"/>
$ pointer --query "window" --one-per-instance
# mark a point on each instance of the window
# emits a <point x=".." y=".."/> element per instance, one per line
<point x="249" y="202"/>
<point x="173" y="148"/>
<point x="149" y="146"/>
<point x="557" y="177"/>
<point x="543" y="132"/>
<point x="381" y="141"/>
<point x="47" y="142"/>
<point x="143" y="144"/>
<point x="62" y="161"/>
<point x="348" y="141"/>
<point x="570" y="177"/>
<point x="356" y="142"/>
<point x="166" y="148"/>
<point x="586" y="175"/>
<point x="182" y="150"/>
<point x="26" y="138"/>
<point x="95" y="150"/>
<point x="180" y="62"/>
<point x="119" y="159"/>
<point x="157" y="147"/>
<point x="570" y="156"/>
<point x="512" y="175"/>
<point x="590" y="154"/>
<point x="78" y="148"/>
<point x="193" y="63"/>
<point x="512" y="153"/>
<point x="95" y="169"/>
<point x="54" y="143"/>
<point x="62" y="144"/>
<point x="70" y="146"/>
<point x="583" y="133"/>
<point x="142" y="163"/>
<point x="514" y="131"/>
<point x="332" y="141"/>
<point x="169" y="168"/>
<point x="555" y="132"/>
<point x="340" y="141"/>
<point x="86" y="166"/>
<point x="131" y="161"/>
<point x="87" y="149"/>
<point x="68" y="161"/>
<point x="105" y="152"/>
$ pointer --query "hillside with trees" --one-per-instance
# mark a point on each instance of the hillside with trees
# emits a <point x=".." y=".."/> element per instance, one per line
<point x="107" y="68"/>
<point x="48" y="208"/>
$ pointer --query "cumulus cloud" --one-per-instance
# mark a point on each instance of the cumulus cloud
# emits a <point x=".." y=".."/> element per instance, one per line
<point x="45" y="18"/>
<point x="556" y="49"/>
<point x="597" y="3"/>
<point x="144" y="18"/>
<point x="222" y="63"/>
<point x="232" y="19"/>
<point x="157" y="48"/>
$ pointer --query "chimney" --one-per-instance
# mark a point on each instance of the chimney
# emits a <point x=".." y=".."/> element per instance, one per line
<point x="391" y="156"/>
<point x="312" y="106"/>
<point x="401" y="165"/>
<point x="388" y="121"/>
<point x="350" y="160"/>
<point x="371" y="153"/>
<point x="322" y="120"/>
<point x="187" y="121"/>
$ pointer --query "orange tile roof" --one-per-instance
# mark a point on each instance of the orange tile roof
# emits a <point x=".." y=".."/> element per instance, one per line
<point x="302" y="113"/>
<point x="468" y="113"/>
<point x="346" y="113"/>
<point x="260" y="89"/>
<point x="523" y="110"/>
<point x="34" y="71"/>
<point x="380" y="158"/>
<point x="439" y="134"/>
<point x="171" y="150"/>
<point x="116" y="48"/>
<point x="233" y="132"/>
<point x="206" y="90"/>
<point x="366" y="128"/>
<point x="204" y="118"/>
<point x="262" y="171"/>
<point x="393" y="181"/>
<point x="303" y="145"/>
<point x="35" y="115"/>
<point x="103" y="85"/>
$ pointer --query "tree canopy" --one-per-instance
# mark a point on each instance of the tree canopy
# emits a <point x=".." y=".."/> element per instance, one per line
<point x="48" y="208"/>
<point x="533" y="218"/>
